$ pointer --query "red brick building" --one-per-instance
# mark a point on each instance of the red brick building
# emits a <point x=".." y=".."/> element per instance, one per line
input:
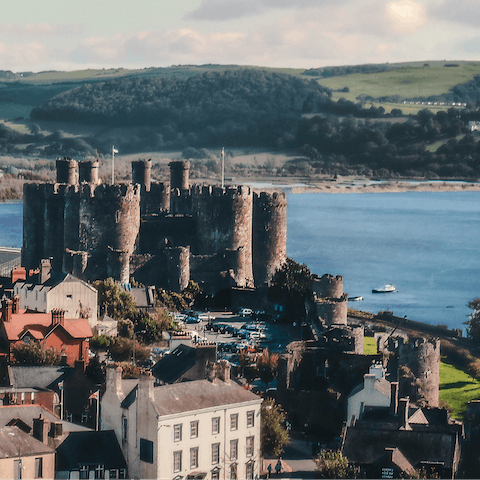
<point x="69" y="337"/>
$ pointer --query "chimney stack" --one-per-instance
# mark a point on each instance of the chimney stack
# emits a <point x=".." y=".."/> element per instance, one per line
<point x="40" y="429"/>
<point x="45" y="270"/>
<point x="145" y="386"/>
<point x="114" y="380"/>
<point x="58" y="316"/>
<point x="394" y="398"/>
<point x="369" y="382"/>
<point x="16" y="304"/>
<point x="224" y="371"/>
<point x="403" y="405"/>
<point x="6" y="310"/>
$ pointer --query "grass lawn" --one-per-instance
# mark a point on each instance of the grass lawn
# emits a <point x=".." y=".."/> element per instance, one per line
<point x="457" y="388"/>
<point x="369" y="346"/>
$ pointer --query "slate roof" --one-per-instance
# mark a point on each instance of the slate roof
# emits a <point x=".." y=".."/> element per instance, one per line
<point x="198" y="395"/>
<point x="38" y="377"/>
<point x="14" y="443"/>
<point x="381" y="385"/>
<point x="87" y="448"/>
<point x="26" y="414"/>
<point x="366" y="446"/>
<point x="178" y="362"/>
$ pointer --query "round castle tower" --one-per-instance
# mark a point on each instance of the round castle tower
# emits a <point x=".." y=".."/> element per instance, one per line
<point x="269" y="235"/>
<point x="88" y="172"/>
<point x="67" y="171"/>
<point x="142" y="173"/>
<point x="179" y="174"/>
<point x="327" y="286"/>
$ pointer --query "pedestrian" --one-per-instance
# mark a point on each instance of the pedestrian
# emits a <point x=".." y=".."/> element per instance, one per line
<point x="278" y="466"/>
<point x="269" y="470"/>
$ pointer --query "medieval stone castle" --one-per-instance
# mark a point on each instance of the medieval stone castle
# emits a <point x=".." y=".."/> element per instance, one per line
<point x="163" y="234"/>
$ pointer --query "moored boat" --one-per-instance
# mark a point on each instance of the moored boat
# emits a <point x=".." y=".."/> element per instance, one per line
<point x="384" y="289"/>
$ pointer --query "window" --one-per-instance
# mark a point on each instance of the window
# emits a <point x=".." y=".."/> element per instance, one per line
<point x="194" y="457"/>
<point x="177" y="432"/>
<point x="249" y="468"/>
<point x="177" y="461"/>
<point x="250" y="445"/>
<point x="234" y="421"/>
<point x="215" y="453"/>
<point x="215" y="425"/>
<point x="17" y="469"/>
<point x="194" y="429"/>
<point x="250" y="418"/>
<point x="233" y="471"/>
<point x="233" y="449"/>
<point x="215" y="475"/>
<point x="146" y="450"/>
<point x="124" y="429"/>
<point x="70" y="296"/>
<point x="83" y="471"/>
<point x="39" y="467"/>
<point x="99" y="471"/>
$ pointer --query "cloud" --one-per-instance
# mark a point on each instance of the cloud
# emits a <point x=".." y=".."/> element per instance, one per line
<point x="233" y="9"/>
<point x="15" y="57"/>
<point x="464" y="12"/>
<point x="39" y="29"/>
<point x="405" y="16"/>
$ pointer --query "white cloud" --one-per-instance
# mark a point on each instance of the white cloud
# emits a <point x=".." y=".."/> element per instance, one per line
<point x="405" y="16"/>
<point x="233" y="9"/>
<point x="463" y="12"/>
<point x="16" y="57"/>
<point x="39" y="29"/>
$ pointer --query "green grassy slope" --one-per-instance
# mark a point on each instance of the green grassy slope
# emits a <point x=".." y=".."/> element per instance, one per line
<point x="457" y="388"/>
<point x="408" y="82"/>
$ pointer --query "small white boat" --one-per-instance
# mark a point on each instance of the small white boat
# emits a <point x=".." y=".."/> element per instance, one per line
<point x="384" y="289"/>
<point x="355" y="299"/>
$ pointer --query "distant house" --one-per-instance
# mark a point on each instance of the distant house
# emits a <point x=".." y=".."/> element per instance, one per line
<point x="69" y="337"/>
<point x="106" y="326"/>
<point x="198" y="429"/>
<point x="90" y="455"/>
<point x="43" y="385"/>
<point x="51" y="291"/>
<point x="23" y="456"/>
<point x="374" y="392"/>
<point x="389" y="443"/>
<point x="184" y="363"/>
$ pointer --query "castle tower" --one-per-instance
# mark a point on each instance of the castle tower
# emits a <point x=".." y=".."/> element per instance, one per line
<point x="88" y="172"/>
<point x="179" y="173"/>
<point x="422" y="357"/>
<point x="327" y="286"/>
<point x="67" y="171"/>
<point x="269" y="235"/>
<point x="178" y="266"/>
<point x="142" y="172"/>
<point x="333" y="311"/>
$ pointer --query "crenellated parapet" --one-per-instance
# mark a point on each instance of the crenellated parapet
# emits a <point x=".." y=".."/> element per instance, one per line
<point x="328" y="286"/>
<point x="332" y="311"/>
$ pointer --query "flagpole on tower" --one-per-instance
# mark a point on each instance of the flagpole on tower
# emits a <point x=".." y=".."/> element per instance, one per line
<point x="114" y="151"/>
<point x="223" y="166"/>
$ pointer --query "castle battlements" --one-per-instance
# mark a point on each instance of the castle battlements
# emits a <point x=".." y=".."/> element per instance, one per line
<point x="106" y="224"/>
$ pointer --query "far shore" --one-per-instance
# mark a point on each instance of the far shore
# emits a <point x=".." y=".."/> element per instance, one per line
<point x="356" y="185"/>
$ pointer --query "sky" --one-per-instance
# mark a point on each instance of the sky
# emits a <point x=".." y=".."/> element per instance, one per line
<point x="74" y="35"/>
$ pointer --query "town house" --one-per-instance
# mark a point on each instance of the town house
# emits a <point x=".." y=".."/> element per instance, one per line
<point x="199" y="429"/>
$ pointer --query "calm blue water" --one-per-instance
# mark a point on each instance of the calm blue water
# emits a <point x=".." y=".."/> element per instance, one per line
<point x="424" y="243"/>
<point x="11" y="215"/>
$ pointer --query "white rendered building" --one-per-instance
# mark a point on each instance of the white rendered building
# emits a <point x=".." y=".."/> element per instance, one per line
<point x="65" y="292"/>
<point x="200" y="429"/>
<point x="374" y="392"/>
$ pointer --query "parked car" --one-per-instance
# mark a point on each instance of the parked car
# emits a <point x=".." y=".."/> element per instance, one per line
<point x="242" y="333"/>
<point x="231" y="330"/>
<point x="192" y="320"/>
<point x="245" y="312"/>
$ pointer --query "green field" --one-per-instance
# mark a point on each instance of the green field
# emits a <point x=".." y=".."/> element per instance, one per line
<point x="457" y="388"/>
<point x="408" y="82"/>
<point x="369" y="346"/>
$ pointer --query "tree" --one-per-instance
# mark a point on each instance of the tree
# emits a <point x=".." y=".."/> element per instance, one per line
<point x="334" y="465"/>
<point x="267" y="366"/>
<point x="273" y="434"/>
<point x="473" y="325"/>
<point x="290" y="286"/>
<point x="35" y="354"/>
<point x="118" y="303"/>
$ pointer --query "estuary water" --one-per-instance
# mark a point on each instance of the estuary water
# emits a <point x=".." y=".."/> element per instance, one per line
<point x="424" y="243"/>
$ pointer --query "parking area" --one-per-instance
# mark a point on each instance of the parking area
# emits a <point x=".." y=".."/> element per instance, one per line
<point x="232" y="331"/>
